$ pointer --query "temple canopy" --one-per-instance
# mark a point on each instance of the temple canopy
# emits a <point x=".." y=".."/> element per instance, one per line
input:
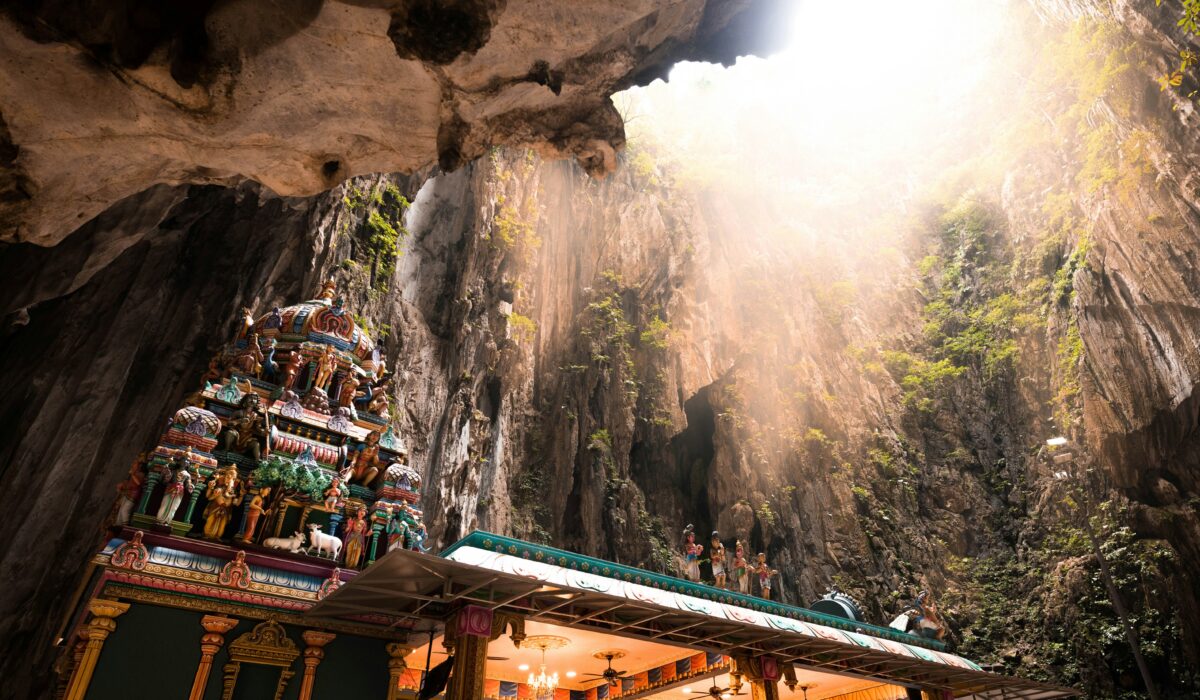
<point x="658" y="623"/>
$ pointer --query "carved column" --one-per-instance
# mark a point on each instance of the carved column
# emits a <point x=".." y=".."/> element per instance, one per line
<point x="313" y="654"/>
<point x="376" y="529"/>
<point x="467" y="636"/>
<point x="210" y="643"/>
<point x="763" y="672"/>
<point x="152" y="479"/>
<point x="396" y="667"/>
<point x="197" y="489"/>
<point x="104" y="621"/>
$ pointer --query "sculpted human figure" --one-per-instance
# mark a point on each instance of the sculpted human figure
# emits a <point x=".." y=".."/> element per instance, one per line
<point x="326" y="364"/>
<point x="222" y="493"/>
<point x="355" y="537"/>
<point x="291" y="369"/>
<point x="177" y="481"/>
<point x="250" y="359"/>
<point x="130" y="490"/>
<point x="764" y="575"/>
<point x="246" y="430"/>
<point x="254" y="511"/>
<point x="348" y="388"/>
<point x="691" y="554"/>
<point x="333" y="494"/>
<point x="328" y="289"/>
<point x="716" y="552"/>
<point x="741" y="569"/>
<point x="365" y="464"/>
<point x="397" y="530"/>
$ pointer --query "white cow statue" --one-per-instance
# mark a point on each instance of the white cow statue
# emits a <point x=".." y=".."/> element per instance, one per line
<point x="292" y="544"/>
<point x="323" y="542"/>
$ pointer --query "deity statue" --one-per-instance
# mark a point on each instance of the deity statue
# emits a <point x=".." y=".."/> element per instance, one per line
<point x="355" y="537"/>
<point x="222" y="494"/>
<point x="716" y="552"/>
<point x="215" y="370"/>
<point x="921" y="617"/>
<point x="274" y="319"/>
<point x="254" y="511"/>
<point x="333" y="494"/>
<point x="376" y="398"/>
<point x="328" y="288"/>
<point x="365" y="464"/>
<point x="741" y="569"/>
<point x="247" y="429"/>
<point x="130" y="490"/>
<point x="326" y="364"/>
<point x="415" y="538"/>
<point x="348" y="388"/>
<point x="177" y="481"/>
<point x="397" y="530"/>
<point x="764" y="575"/>
<point x="691" y="554"/>
<point x="291" y="369"/>
<point x="247" y="323"/>
<point x="249" y="360"/>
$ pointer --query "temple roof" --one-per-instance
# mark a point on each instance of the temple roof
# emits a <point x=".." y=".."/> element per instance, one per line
<point x="415" y="585"/>
<point x="322" y="321"/>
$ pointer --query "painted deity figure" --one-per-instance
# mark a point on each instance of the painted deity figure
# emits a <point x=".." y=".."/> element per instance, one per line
<point x="250" y="359"/>
<point x="130" y="490"/>
<point x="741" y="569"/>
<point x="177" y="482"/>
<point x="376" y="398"/>
<point x="355" y="537"/>
<point x="415" y="540"/>
<point x="716" y="552"/>
<point x="328" y="289"/>
<point x="764" y="575"/>
<point x="291" y="369"/>
<point x="333" y="494"/>
<point x="921" y="617"/>
<point x="222" y="494"/>
<point x="269" y="366"/>
<point x="246" y="430"/>
<point x="326" y="364"/>
<point x="365" y="464"/>
<point x="247" y="323"/>
<point x="691" y="554"/>
<point x="348" y="388"/>
<point x="254" y="510"/>
<point x="397" y="530"/>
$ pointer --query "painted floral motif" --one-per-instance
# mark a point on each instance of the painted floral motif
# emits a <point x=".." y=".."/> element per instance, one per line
<point x="131" y="554"/>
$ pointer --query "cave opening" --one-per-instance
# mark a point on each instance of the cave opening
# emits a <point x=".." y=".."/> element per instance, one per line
<point x="693" y="450"/>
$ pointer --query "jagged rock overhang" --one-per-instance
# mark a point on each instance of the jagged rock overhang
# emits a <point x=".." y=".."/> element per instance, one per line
<point x="414" y="585"/>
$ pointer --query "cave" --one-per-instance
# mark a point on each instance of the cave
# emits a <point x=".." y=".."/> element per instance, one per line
<point x="563" y="278"/>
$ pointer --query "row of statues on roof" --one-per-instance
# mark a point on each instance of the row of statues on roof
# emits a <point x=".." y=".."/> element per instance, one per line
<point x="737" y="574"/>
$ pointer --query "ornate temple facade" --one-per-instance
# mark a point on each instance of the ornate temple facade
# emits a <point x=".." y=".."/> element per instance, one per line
<point x="271" y="546"/>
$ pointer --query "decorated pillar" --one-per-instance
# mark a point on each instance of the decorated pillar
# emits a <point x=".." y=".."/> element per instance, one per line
<point x="215" y="628"/>
<point x="313" y="653"/>
<point x="152" y="479"/>
<point x="396" y="668"/>
<point x="104" y="621"/>
<point x="467" y="637"/>
<point x="763" y="673"/>
<point x="197" y="489"/>
<point x="376" y="529"/>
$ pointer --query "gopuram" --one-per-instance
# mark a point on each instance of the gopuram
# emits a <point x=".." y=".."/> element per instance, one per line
<point x="271" y="546"/>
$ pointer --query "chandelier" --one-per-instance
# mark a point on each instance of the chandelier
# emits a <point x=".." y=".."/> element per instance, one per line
<point x="543" y="685"/>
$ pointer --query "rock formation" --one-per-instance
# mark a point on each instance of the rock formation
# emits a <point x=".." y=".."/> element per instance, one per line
<point x="101" y="101"/>
<point x="596" y="362"/>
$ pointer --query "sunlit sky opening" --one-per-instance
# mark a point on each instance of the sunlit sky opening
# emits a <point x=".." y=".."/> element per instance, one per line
<point x="870" y="99"/>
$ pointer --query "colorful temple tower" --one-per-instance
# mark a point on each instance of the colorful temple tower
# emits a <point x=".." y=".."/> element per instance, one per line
<point x="278" y="480"/>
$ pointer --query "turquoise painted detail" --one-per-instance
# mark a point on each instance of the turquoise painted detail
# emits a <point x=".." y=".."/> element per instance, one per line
<point x="599" y="567"/>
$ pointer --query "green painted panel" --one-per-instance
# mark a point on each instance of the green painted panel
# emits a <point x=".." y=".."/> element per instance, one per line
<point x="353" y="667"/>
<point x="152" y="655"/>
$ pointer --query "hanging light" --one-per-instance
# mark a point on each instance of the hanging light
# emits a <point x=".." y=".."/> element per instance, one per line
<point x="543" y="685"/>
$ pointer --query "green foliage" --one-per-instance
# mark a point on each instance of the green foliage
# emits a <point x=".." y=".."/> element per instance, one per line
<point x="765" y="514"/>
<point x="380" y="231"/>
<point x="524" y="328"/>
<point x="644" y="168"/>
<point x="285" y="476"/>
<point x="600" y="440"/>
<point x="530" y="502"/>
<point x="608" y="332"/>
<point x="656" y="334"/>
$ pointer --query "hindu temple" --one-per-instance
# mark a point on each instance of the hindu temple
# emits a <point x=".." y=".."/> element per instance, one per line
<point x="271" y="546"/>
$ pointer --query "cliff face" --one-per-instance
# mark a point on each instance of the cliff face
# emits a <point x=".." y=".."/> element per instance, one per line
<point x="597" y="363"/>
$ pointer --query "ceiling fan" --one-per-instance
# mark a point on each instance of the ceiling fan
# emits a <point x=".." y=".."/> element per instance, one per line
<point x="610" y="674"/>
<point x="716" y="692"/>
